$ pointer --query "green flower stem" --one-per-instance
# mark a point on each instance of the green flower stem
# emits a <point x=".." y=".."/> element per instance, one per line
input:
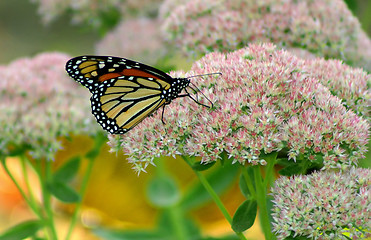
<point x="178" y="222"/>
<point x="261" y="194"/>
<point x="32" y="202"/>
<point x="47" y="200"/>
<point x="99" y="140"/>
<point x="76" y="211"/>
<point x="33" y="206"/>
<point x="175" y="211"/>
<point x="32" y="198"/>
<point x="37" y="167"/>
<point x="215" y="197"/>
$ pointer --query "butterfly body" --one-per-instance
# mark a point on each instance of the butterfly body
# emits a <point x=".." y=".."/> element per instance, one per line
<point x="124" y="92"/>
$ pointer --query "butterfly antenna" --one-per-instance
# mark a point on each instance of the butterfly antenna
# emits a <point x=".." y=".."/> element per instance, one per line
<point x="206" y="74"/>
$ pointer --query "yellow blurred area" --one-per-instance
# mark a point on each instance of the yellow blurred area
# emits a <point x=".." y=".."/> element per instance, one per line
<point x="115" y="196"/>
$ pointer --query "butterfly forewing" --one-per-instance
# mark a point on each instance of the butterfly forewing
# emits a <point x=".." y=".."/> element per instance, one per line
<point x="124" y="92"/>
<point x="91" y="71"/>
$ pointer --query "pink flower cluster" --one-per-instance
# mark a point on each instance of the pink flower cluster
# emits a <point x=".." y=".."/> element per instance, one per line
<point x="265" y="101"/>
<point x="82" y="11"/>
<point x="351" y="85"/>
<point x="323" y="205"/>
<point x="324" y="27"/>
<point x="137" y="39"/>
<point x="39" y="103"/>
<point x="91" y="11"/>
<point x="141" y="8"/>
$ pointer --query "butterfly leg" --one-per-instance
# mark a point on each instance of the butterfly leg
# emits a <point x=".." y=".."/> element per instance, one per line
<point x="162" y="115"/>
<point x="196" y="100"/>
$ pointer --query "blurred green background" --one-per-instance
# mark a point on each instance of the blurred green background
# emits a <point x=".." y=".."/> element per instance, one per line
<point x="23" y="34"/>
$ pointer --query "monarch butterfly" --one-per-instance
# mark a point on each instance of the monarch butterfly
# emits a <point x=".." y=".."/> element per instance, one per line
<point x="124" y="92"/>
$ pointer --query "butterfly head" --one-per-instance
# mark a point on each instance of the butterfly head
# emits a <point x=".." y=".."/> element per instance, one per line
<point x="175" y="89"/>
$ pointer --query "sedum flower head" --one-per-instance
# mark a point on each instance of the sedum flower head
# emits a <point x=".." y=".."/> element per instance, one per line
<point x="323" y="205"/>
<point x="82" y="11"/>
<point x="136" y="39"/>
<point x="351" y="85"/>
<point x="265" y="101"/>
<point x="95" y="13"/>
<point x="324" y="27"/>
<point x="39" y="103"/>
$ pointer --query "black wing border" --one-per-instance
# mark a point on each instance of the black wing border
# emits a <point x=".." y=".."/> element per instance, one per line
<point x="128" y="62"/>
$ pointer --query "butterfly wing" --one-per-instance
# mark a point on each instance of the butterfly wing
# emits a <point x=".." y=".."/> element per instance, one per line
<point x="92" y="71"/>
<point x="124" y="92"/>
<point x="122" y="103"/>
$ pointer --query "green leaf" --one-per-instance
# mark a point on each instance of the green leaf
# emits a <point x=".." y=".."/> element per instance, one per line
<point x="163" y="192"/>
<point x="63" y="192"/>
<point x="220" y="178"/>
<point x="291" y="170"/>
<point x="68" y="170"/>
<point x="164" y="231"/>
<point x="296" y="237"/>
<point x="17" y="149"/>
<point x="270" y="206"/>
<point x="99" y="140"/>
<point x="232" y="237"/>
<point x="284" y="161"/>
<point x="22" y="230"/>
<point x="130" y="235"/>
<point x="108" y="19"/>
<point x="243" y="186"/>
<point x="198" y="166"/>
<point x="167" y="227"/>
<point x="245" y="215"/>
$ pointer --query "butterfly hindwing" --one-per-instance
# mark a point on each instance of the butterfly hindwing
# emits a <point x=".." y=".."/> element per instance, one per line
<point x="120" y="104"/>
